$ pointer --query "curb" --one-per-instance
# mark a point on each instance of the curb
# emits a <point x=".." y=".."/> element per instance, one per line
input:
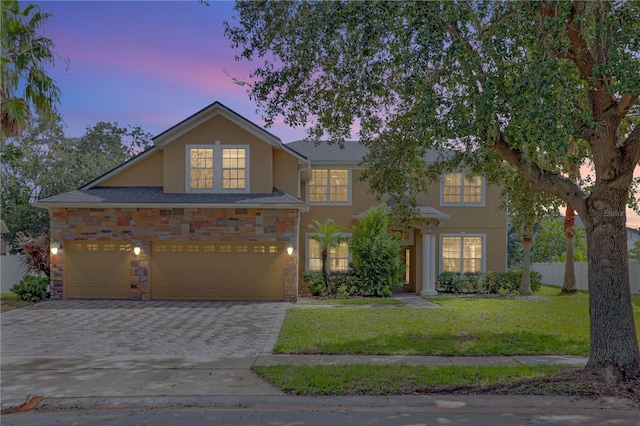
<point x="330" y="403"/>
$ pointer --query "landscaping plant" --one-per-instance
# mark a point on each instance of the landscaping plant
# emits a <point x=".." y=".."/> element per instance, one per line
<point x="376" y="255"/>
<point x="32" y="289"/>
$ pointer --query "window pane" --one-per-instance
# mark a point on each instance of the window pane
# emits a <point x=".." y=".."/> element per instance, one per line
<point x="339" y="257"/>
<point x="233" y="168"/>
<point x="318" y="186"/>
<point x="314" y="255"/>
<point x="201" y="168"/>
<point x="452" y="188"/>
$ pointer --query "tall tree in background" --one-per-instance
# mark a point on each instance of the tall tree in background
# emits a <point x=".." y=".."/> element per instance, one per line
<point x="526" y="207"/>
<point x="526" y="80"/>
<point x="24" y="57"/>
<point x="41" y="161"/>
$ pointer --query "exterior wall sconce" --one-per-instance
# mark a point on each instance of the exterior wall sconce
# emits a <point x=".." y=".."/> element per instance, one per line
<point x="289" y="249"/>
<point x="137" y="249"/>
<point x="54" y="248"/>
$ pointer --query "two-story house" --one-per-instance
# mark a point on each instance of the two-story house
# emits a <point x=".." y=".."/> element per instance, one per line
<point x="218" y="209"/>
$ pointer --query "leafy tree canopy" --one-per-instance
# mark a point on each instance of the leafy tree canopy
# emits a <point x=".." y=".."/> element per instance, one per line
<point x="543" y="86"/>
<point x="41" y="162"/>
<point x="24" y="57"/>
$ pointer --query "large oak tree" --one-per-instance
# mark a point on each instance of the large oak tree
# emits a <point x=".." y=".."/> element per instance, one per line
<point x="524" y="81"/>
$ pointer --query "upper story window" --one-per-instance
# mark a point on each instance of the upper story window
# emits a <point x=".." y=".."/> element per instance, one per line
<point x="330" y="186"/>
<point x="234" y="168"/>
<point x="461" y="189"/>
<point x="217" y="168"/>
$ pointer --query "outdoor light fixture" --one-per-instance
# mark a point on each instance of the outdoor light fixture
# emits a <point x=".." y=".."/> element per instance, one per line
<point x="137" y="249"/>
<point x="290" y="250"/>
<point x="54" y="248"/>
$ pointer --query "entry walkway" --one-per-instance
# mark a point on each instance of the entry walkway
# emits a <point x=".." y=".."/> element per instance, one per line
<point x="414" y="301"/>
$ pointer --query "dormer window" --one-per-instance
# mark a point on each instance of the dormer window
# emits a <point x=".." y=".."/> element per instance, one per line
<point x="217" y="168"/>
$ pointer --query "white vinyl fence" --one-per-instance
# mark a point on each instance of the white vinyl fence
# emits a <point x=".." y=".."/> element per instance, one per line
<point x="11" y="272"/>
<point x="553" y="274"/>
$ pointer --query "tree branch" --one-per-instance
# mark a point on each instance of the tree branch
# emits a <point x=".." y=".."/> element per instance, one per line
<point x="540" y="179"/>
<point x="632" y="149"/>
<point x="625" y="104"/>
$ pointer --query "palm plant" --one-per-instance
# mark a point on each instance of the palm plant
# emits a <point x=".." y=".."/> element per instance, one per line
<point x="327" y="234"/>
<point x="24" y="57"/>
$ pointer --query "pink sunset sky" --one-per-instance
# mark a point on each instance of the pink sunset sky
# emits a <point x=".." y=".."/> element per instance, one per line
<point x="151" y="64"/>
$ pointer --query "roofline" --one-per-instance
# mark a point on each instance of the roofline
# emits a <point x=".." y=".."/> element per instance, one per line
<point x="189" y="123"/>
<point x="439" y="216"/>
<point x="353" y="164"/>
<point x="295" y="153"/>
<point x="121" y="168"/>
<point x="278" y="206"/>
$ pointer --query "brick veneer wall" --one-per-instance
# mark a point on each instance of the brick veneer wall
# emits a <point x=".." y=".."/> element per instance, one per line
<point x="194" y="224"/>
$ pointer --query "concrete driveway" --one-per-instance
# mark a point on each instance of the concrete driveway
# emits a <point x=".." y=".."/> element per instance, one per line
<point x="77" y="348"/>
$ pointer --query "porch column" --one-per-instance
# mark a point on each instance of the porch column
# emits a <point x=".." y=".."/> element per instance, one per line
<point x="428" y="265"/>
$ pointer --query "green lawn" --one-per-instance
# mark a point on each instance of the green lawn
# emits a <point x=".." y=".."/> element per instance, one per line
<point x="394" y="379"/>
<point x="550" y="324"/>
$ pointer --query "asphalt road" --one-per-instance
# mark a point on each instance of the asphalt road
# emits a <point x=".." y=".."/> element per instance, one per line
<point x="483" y="416"/>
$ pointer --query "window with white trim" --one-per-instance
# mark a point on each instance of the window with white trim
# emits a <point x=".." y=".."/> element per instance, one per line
<point x="462" y="189"/>
<point x="233" y="168"/>
<point x="329" y="186"/>
<point x="338" y="256"/>
<point x="217" y="168"/>
<point x="201" y="168"/>
<point x="463" y="254"/>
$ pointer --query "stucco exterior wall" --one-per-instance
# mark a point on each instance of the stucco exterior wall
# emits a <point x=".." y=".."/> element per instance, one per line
<point x="147" y="172"/>
<point x="487" y="220"/>
<point x="219" y="129"/>
<point x="145" y="225"/>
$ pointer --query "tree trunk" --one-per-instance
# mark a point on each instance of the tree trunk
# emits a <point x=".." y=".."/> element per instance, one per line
<point x="569" y="284"/>
<point x="527" y="237"/>
<point x="325" y="276"/>
<point x="614" y="342"/>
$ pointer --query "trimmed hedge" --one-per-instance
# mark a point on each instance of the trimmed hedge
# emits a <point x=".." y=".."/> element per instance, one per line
<point x="492" y="282"/>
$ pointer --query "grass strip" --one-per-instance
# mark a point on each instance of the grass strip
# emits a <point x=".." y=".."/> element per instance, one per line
<point x="396" y="379"/>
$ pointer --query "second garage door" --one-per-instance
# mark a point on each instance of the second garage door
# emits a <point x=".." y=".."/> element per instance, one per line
<point x="203" y="270"/>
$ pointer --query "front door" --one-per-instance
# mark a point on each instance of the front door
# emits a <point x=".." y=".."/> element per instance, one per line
<point x="409" y="276"/>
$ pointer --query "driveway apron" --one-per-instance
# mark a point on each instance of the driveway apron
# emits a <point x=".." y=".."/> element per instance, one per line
<point x="109" y="348"/>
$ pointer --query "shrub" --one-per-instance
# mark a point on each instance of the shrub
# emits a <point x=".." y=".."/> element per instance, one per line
<point x="377" y="255"/>
<point x="315" y="283"/>
<point x="450" y="282"/>
<point x="475" y="283"/>
<point x="509" y="282"/>
<point x="32" y="288"/>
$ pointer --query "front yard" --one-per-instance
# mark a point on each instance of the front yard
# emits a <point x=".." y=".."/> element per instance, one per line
<point x="546" y="324"/>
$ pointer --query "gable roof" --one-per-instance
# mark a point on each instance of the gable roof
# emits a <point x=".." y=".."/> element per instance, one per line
<point x="208" y="113"/>
<point x="347" y="153"/>
<point x="164" y="138"/>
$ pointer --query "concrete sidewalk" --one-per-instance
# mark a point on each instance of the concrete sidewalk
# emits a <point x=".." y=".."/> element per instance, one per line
<point x="131" y="376"/>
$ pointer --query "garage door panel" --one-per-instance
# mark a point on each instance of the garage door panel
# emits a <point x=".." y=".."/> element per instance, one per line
<point x="229" y="271"/>
<point x="97" y="270"/>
